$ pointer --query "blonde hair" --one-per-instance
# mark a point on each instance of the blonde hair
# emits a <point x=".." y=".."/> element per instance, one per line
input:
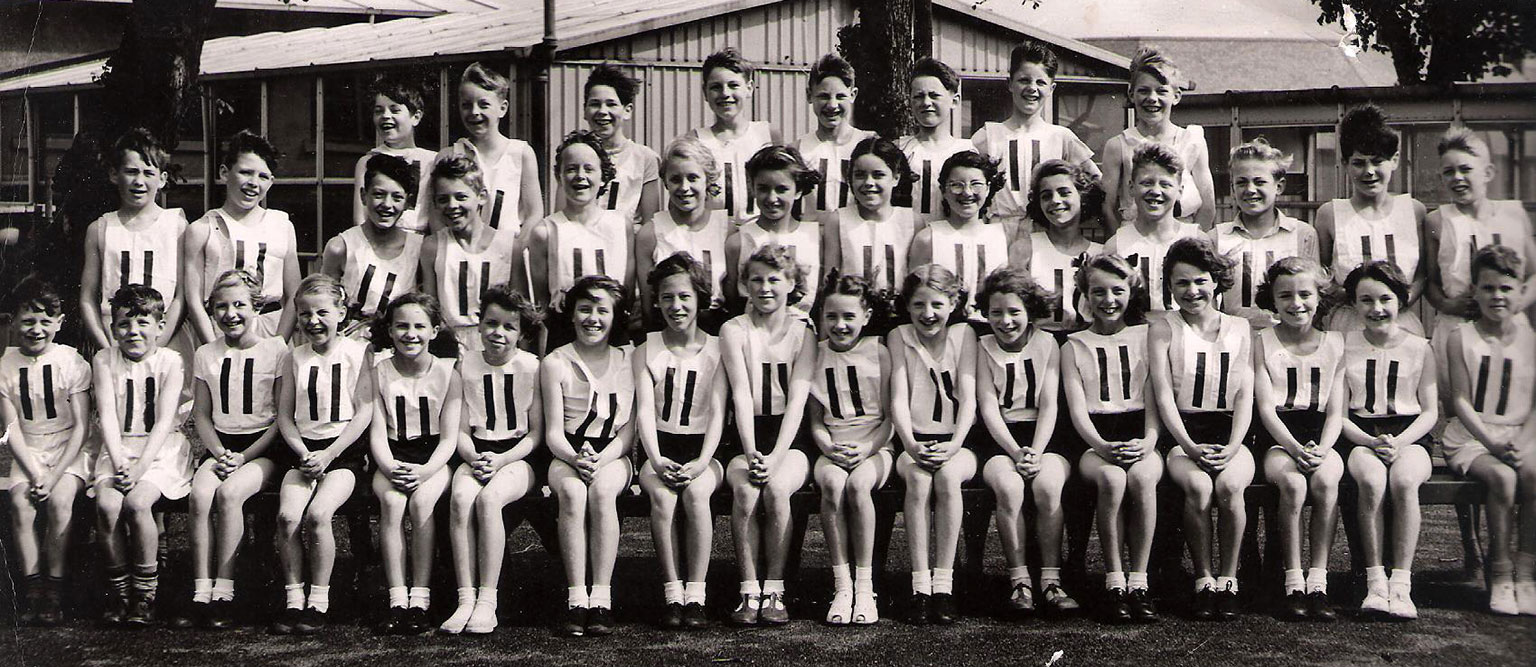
<point x="1259" y="150"/>
<point x="231" y="279"/>
<point x="324" y="285"/>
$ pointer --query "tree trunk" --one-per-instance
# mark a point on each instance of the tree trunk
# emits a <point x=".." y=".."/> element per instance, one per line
<point x="885" y="64"/>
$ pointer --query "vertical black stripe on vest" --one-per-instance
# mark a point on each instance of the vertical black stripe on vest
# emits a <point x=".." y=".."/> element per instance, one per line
<point x="613" y="195"/>
<point x="869" y="262"/>
<point x="247" y="388"/>
<point x="335" y="392"/>
<point x="853" y="392"/>
<point x="576" y="264"/>
<point x="766" y="382"/>
<point x="784" y="380"/>
<point x="261" y="262"/>
<point x="50" y="411"/>
<point x="463" y="287"/>
<point x="1316" y="377"/>
<point x="1505" y="379"/>
<point x="1370" y="385"/>
<point x="424" y="408"/>
<point x="363" y="285"/>
<point x="927" y="201"/>
<point x="834" y="402"/>
<point x="1013" y="165"/>
<point x="842" y="185"/>
<point x="1221" y="380"/>
<point x="128" y="406"/>
<point x="981" y="262"/>
<point x="602" y="262"/>
<point x="613" y="415"/>
<point x="668" y="383"/>
<point x="389" y="288"/>
<point x="225" y="369"/>
<point x="488" y="388"/>
<point x="1247" y="290"/>
<point x="1034" y="153"/>
<point x="960" y="260"/>
<point x="1365" y="248"/>
<point x="149" y="404"/>
<point x="1008" y="385"/>
<point x="26" y="395"/>
<point x="689" y="383"/>
<point x="313" y="392"/>
<point x="938" y="397"/>
<point x="1125" y="371"/>
<point x="1059" y="308"/>
<point x="125" y="268"/>
<point x="581" y="431"/>
<point x="485" y="284"/>
<point x="821" y="190"/>
<point x="1197" y="397"/>
<point x="239" y="254"/>
<point x="730" y="189"/>
<point x="1103" y="374"/>
<point x="501" y="196"/>
<point x="400" y="420"/>
<point x="1392" y="387"/>
<point x="890" y="265"/>
<point x="1480" y="394"/>
<point x="1029" y="385"/>
<point x="949" y="392"/>
<point x="149" y="268"/>
<point x="1391" y="243"/>
<point x="1291" y="378"/>
<point x="509" y="400"/>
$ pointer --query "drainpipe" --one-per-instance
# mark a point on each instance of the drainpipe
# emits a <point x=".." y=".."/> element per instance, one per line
<point x="542" y="56"/>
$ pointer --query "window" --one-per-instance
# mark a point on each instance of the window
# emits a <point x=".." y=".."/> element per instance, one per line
<point x="236" y="107"/>
<point x="1093" y="112"/>
<point x="298" y="201"/>
<point x="349" y="131"/>
<point x="291" y="124"/>
<point x="13" y="150"/>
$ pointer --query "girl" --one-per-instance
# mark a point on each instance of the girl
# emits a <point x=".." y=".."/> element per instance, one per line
<point x="849" y="426"/>
<point x="1390" y="380"/>
<point x="1061" y="197"/>
<point x="1204" y="386"/>
<point x="1492" y="416"/>
<point x="1298" y="378"/>
<point x="690" y="175"/>
<point x="779" y="177"/>
<point x="1104" y="375"/>
<point x="465" y="256"/>
<point x="589" y="395"/>
<point x="1017" y="375"/>
<point x="933" y="386"/>
<point x="964" y="243"/>
<point x="322" y="415"/>
<point x="763" y="350"/>
<point x="680" y="424"/>
<point x="501" y="431"/>
<point x="871" y="238"/>
<point x="1156" y="87"/>
<point x="377" y="260"/>
<point x="234" y="408"/>
<point x="411" y="437"/>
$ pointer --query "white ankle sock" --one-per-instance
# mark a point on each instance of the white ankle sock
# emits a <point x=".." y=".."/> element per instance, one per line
<point x="842" y="579"/>
<point x="420" y="597"/>
<point x="672" y="592"/>
<point x="293" y="596"/>
<point x="922" y="582"/>
<point x="1113" y="580"/>
<point x="320" y="598"/>
<point x="1317" y="580"/>
<point x="602" y="596"/>
<point x="693" y="592"/>
<point x="943" y="580"/>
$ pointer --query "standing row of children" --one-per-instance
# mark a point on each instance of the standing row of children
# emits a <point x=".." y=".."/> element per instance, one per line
<point x="747" y="229"/>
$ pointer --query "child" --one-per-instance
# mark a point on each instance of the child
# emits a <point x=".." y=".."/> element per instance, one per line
<point x="234" y="408"/>
<point x="412" y="436"/>
<point x="849" y="426"/>
<point x="243" y="234"/>
<point x="964" y="242"/>
<point x="635" y="192"/>
<point x="1372" y="223"/>
<point x="127" y="245"/>
<point x="582" y="239"/>
<point x="1144" y="243"/>
<point x="1156" y="87"/>
<point x="680" y="423"/>
<point x="465" y="256"/>
<point x="1028" y="137"/>
<point x="1017" y="376"/>
<point x="323" y="414"/>
<point x="1393" y="406"/>
<point x="376" y="261"/>
<point x="1061" y="197"/>
<point x="44" y="397"/>
<point x="691" y="176"/>
<point x="767" y="353"/>
<point x="933" y="93"/>
<point x="1493" y="416"/>
<point x="1200" y="369"/>
<point x="871" y="238"/>
<point x="779" y="178"/>
<point x="397" y="109"/>
<point x="500" y="442"/>
<point x="508" y="168"/>
<point x="589" y="396"/>
<point x="733" y="138"/>
<point x="933" y="391"/>
<point x="1104" y="377"/>
<point x="146" y="456"/>
<point x="831" y="91"/>
<point x="1261" y="235"/>
<point x="1298" y="388"/>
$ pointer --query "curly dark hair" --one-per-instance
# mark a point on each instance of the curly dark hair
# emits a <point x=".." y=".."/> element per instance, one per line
<point x="1199" y="252"/>
<point x="398" y="88"/>
<point x="938" y="279"/>
<point x="1382" y="271"/>
<point x="1030" y="51"/>
<point x="683" y="263"/>
<point x="385" y="317"/>
<point x="587" y="138"/>
<point x="1329" y="296"/>
<point x="396" y="169"/>
<point x="1007" y="280"/>
<point x="137" y="299"/>
<point x="779" y="258"/>
<point x="587" y="288"/>
<point x="503" y="296"/>
<point x="607" y="74"/>
<point x="974" y="160"/>
<point x="246" y="141"/>
<point x="894" y="159"/>
<point x="1364" y="131"/>
<point x="1089" y="190"/>
<point x="728" y="58"/>
<point x="35" y="294"/>
<point x="785" y="158"/>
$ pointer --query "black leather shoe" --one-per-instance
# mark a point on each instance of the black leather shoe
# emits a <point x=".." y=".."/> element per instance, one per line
<point x="310" y="621"/>
<point x="1294" y="607"/>
<point x="572" y="623"/>
<point x="116" y="609"/>
<point x="944" y="609"/>
<point x="919" y="612"/>
<point x="599" y="622"/>
<point x="695" y="617"/>
<point x="1119" y="610"/>
<point x="285" y="621"/>
<point x="222" y="616"/>
<point x="1318" y="608"/>
<point x="1143" y="609"/>
<point x="50" y="612"/>
<point x="141" y="611"/>
<point x="415" y="622"/>
<point x="1227" y="605"/>
<point x="393" y="620"/>
<point x="1205" y="605"/>
<point x="672" y="616"/>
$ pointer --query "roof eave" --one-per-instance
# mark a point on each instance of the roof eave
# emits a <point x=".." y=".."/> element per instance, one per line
<point x="1097" y="53"/>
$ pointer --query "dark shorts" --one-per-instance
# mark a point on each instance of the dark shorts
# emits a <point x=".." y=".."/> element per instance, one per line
<point x="679" y="447"/>
<point x="354" y="458"/>
<point x="416" y="450"/>
<point x="239" y="442"/>
<point x="1118" y="427"/>
<point x="494" y="446"/>
<point x="1304" y="425"/>
<point x="765" y="429"/>
<point x="1204" y="428"/>
<point x="985" y="446"/>
<point x="1375" y="426"/>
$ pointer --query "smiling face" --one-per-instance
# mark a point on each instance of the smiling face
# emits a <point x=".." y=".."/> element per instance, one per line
<point x="768" y="288"/>
<point x="677" y="301"/>
<point x="932" y="104"/>
<point x="384" y="201"/>
<point x="1008" y="317"/>
<point x="232" y="309"/>
<point x="35" y="330"/>
<point x="1376" y="304"/>
<point x="1296" y="299"/>
<point x="930" y="310"/>
<point x="687" y="185"/>
<point x="1466" y="176"/>
<point x="581" y="173"/>
<point x="605" y="113"/>
<point x="457" y="202"/>
<point x="1153" y="100"/>
<point x="1060" y="201"/>
<point x="872" y="181"/>
<point x="1193" y="288"/>
<point x="319" y="318"/>
<point x="499" y="331"/>
<point x="965" y="191"/>
<point x="136" y="334"/>
<point x="1030" y="87"/>
<point x="726" y="92"/>
<point x="832" y="101"/>
<point x="843" y="317"/>
<point x="1108" y="296"/>
<point x="246" y="182"/>
<point x="774" y="190"/>
<point x="394" y="121"/>
<point x="480" y="110"/>
<point x="137" y="181"/>
<point x="1255" y="187"/>
<point x="1495" y="295"/>
<point x="411" y="330"/>
<point x="1154" y="189"/>
<point x="593" y="317"/>
<point x="1371" y="174"/>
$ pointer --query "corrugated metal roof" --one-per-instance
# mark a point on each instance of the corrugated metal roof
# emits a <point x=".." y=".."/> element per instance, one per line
<point x="381" y="7"/>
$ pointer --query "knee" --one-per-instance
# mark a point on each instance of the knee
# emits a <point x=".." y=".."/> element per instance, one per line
<point x="1503" y="485"/>
<point x="289" y="520"/>
<point x="316" y="520"/>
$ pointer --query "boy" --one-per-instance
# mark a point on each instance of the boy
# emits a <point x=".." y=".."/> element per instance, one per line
<point x="1155" y="185"/>
<point x="1027" y="138"/>
<point x="146" y="458"/>
<point x="1261" y="235"/>
<point x="44" y="398"/>
<point x="377" y="261"/>
<point x="933" y="94"/>
<point x="609" y="104"/>
<point x="243" y="234"/>
<point x="733" y="138"/>
<point x="510" y="170"/>
<point x="829" y="148"/>
<point x="397" y="108"/>
<point x="1155" y="89"/>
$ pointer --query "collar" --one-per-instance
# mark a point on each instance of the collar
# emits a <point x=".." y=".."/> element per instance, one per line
<point x="1283" y="223"/>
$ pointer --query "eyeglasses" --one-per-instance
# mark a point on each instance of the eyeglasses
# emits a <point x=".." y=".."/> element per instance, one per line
<point x="959" y="188"/>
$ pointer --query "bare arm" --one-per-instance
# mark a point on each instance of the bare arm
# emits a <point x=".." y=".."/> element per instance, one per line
<point x="1159" y="338"/>
<point x="989" y="405"/>
<point x="427" y="281"/>
<point x="90" y="289"/>
<point x="1204" y="184"/>
<point x="645" y="406"/>
<point x="1461" y="393"/>
<point x="901" y="400"/>
<point x="291" y="278"/>
<point x="645" y="260"/>
<point x="333" y="259"/>
<point x="1242" y="411"/>
<point x="20" y="451"/>
<point x="106" y="414"/>
<point x="1045" y="420"/>
<point x="193" y="243"/>
<point x="794" y="400"/>
<point x="530" y="202"/>
<point x="287" y="395"/>
<point x="448" y="420"/>
<point x="359" y="172"/>
<point x="1113" y="148"/>
<point x="921" y="250"/>
<point x="1264" y="396"/>
<point x="1324" y="226"/>
<point x="538" y="262"/>
<point x="1429" y="400"/>
<point x="733" y="357"/>
<point x="166" y="402"/>
<point x="965" y="392"/>
<point x="1416" y="287"/>
<point x="551" y="370"/>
